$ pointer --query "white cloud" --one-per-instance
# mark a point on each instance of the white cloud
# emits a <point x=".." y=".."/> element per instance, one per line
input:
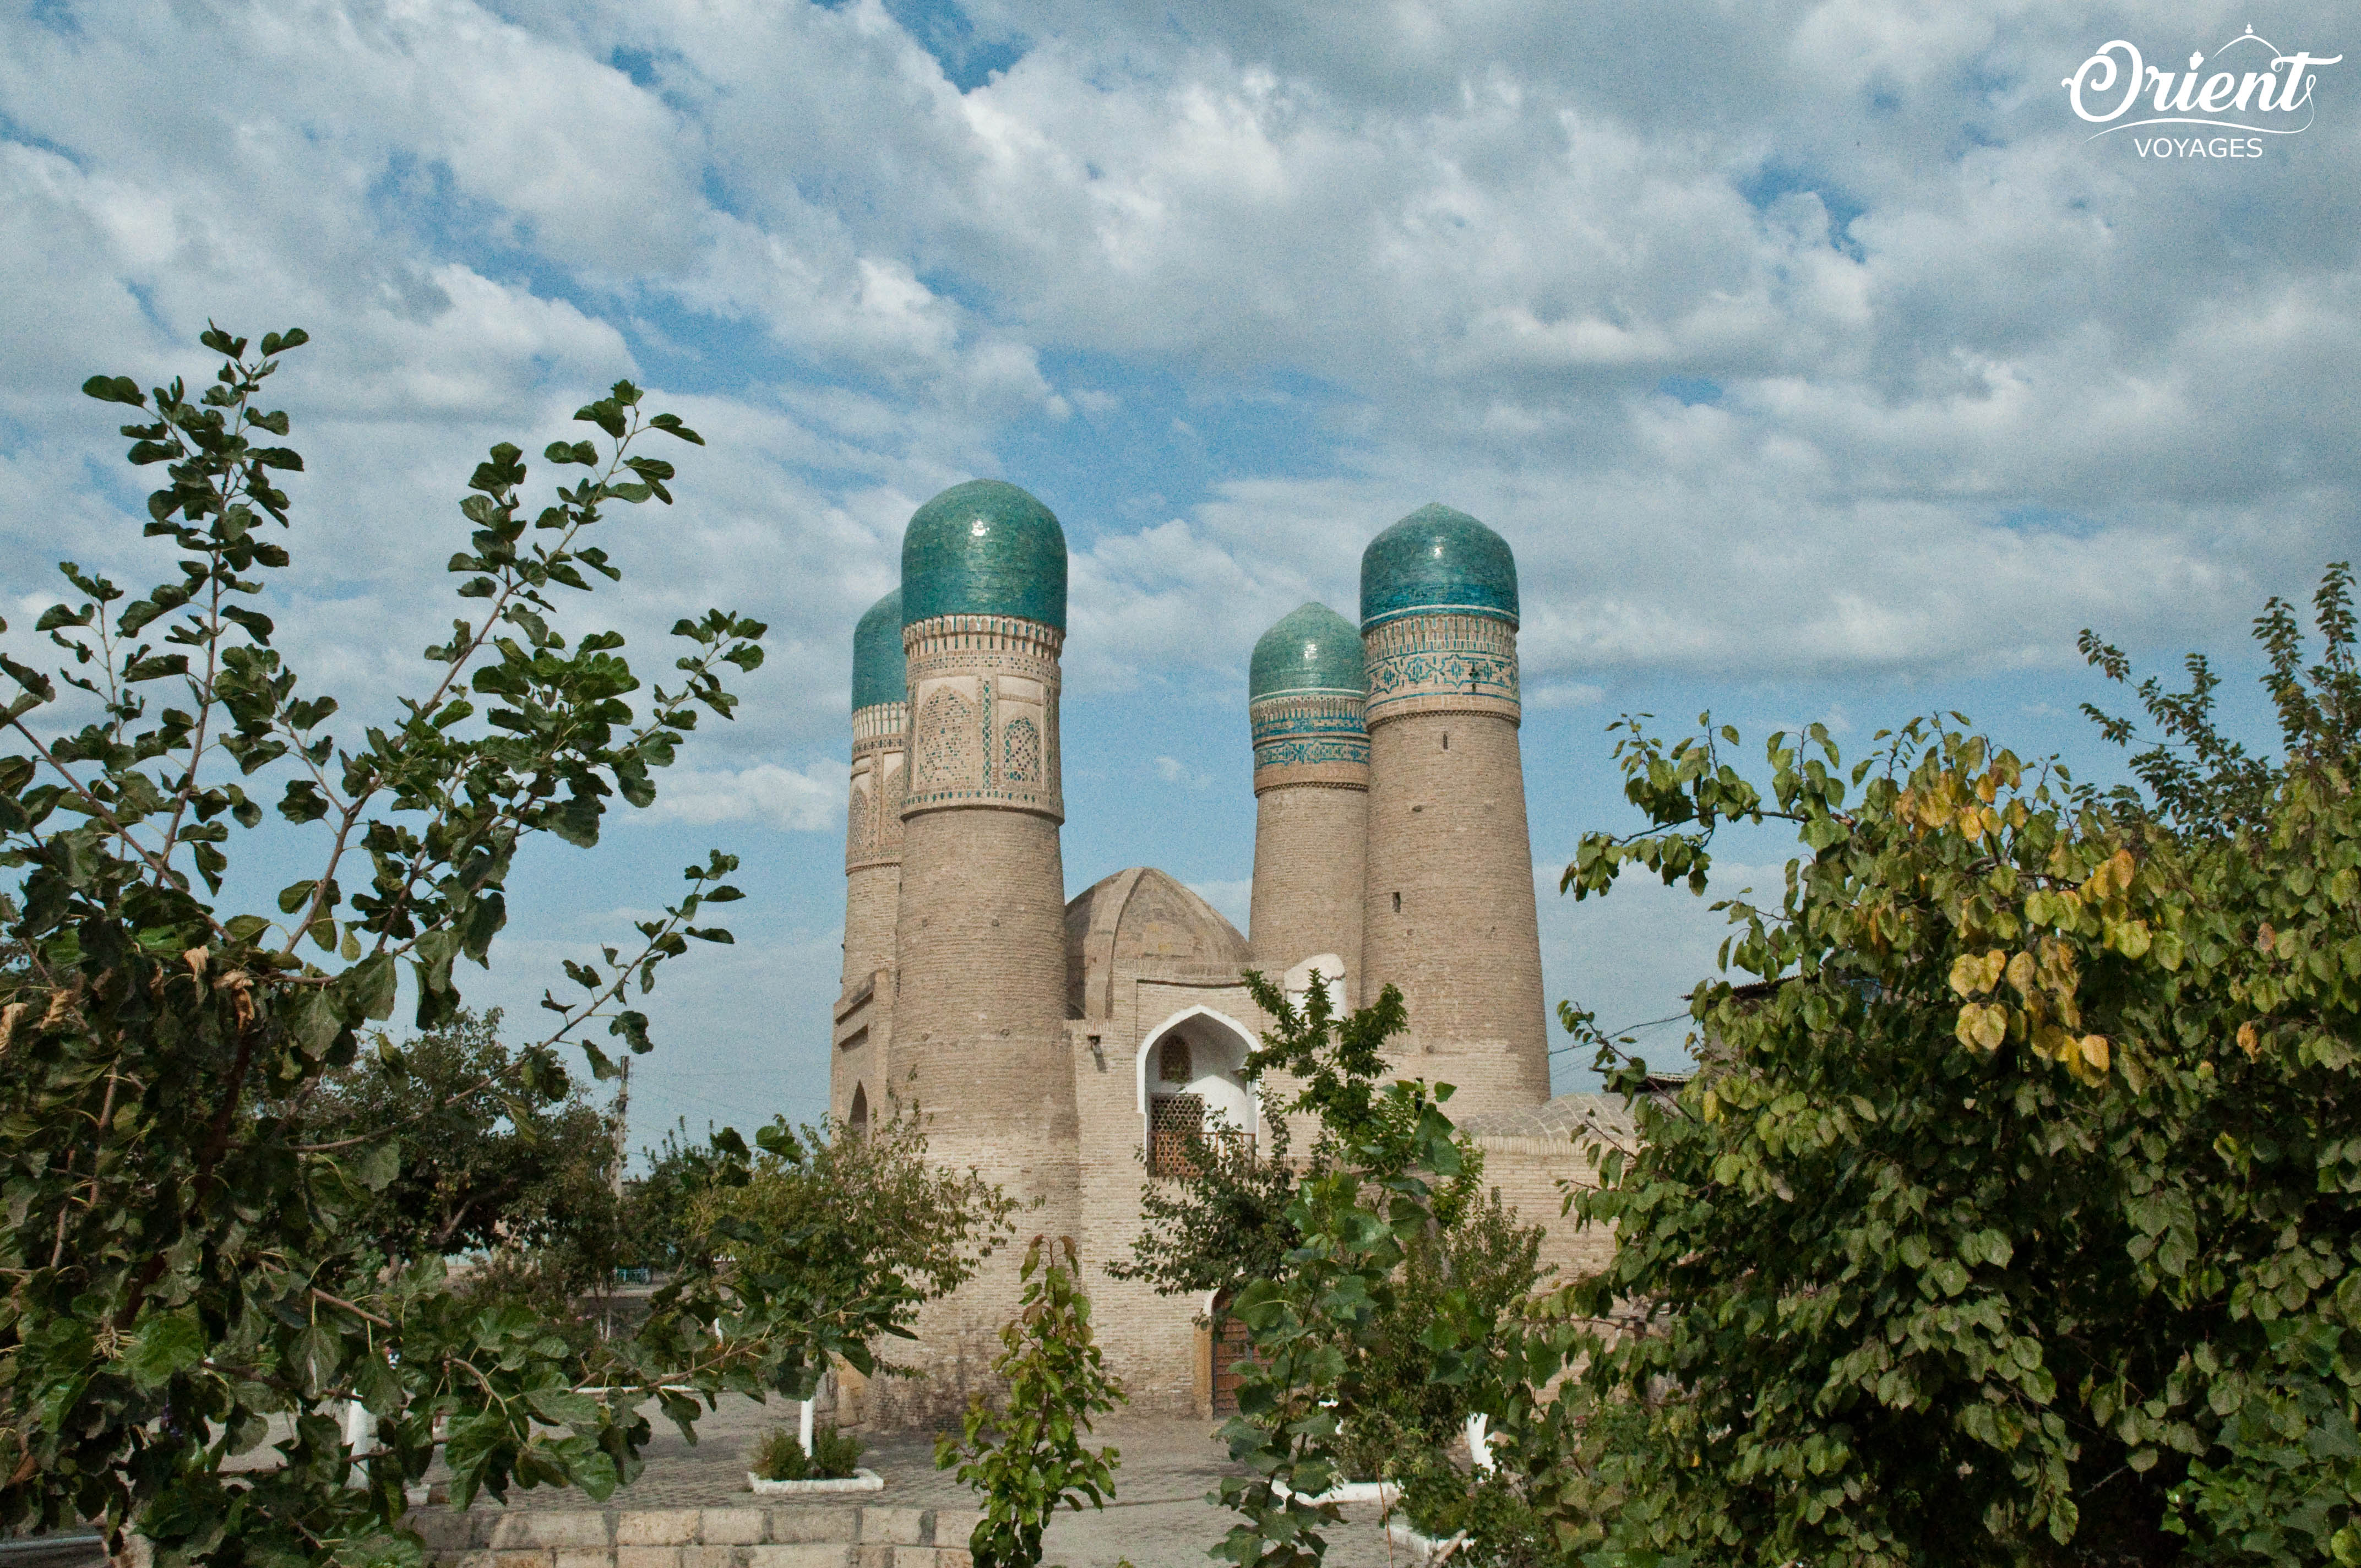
<point x="1783" y="342"/>
<point x="1566" y="694"/>
<point x="766" y="793"/>
<point x="1234" y="899"/>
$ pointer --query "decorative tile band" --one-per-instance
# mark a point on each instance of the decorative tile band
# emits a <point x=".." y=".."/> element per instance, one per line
<point x="983" y="714"/>
<point x="1306" y="713"/>
<point x="873" y="810"/>
<point x="1319" y="730"/>
<point x="1483" y="611"/>
<point x="949" y="633"/>
<point x="1444" y="662"/>
<point x="882" y="724"/>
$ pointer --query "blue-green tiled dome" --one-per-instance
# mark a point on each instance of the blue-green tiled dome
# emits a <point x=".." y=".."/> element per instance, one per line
<point x="878" y="670"/>
<point x="984" y="548"/>
<point x="1313" y="649"/>
<point x="1437" y="559"/>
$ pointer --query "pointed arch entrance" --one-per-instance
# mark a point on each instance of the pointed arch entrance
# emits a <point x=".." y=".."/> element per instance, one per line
<point x="1192" y="1086"/>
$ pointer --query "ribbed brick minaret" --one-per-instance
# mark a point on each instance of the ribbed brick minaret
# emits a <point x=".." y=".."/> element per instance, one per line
<point x="872" y="840"/>
<point x="980" y="954"/>
<point x="872" y="858"/>
<point x="1449" y="912"/>
<point x="1311" y="795"/>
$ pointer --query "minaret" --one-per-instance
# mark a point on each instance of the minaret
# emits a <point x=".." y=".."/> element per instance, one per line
<point x="1449" y="912"/>
<point x="1312" y="798"/>
<point x="873" y="841"/>
<point x="980" y="952"/>
<point x="873" y="859"/>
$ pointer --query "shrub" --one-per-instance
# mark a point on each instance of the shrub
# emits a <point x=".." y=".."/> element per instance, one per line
<point x="1028" y="1458"/>
<point x="779" y="1455"/>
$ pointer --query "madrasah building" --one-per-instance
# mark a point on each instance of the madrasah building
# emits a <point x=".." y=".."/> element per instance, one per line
<point x="1063" y="1047"/>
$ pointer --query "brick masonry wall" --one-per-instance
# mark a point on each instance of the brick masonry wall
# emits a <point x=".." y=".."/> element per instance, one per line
<point x="1527" y="1172"/>
<point x="863" y="1037"/>
<point x="803" y="1536"/>
<point x="873" y="904"/>
<point x="1311" y="868"/>
<point x="1449" y="916"/>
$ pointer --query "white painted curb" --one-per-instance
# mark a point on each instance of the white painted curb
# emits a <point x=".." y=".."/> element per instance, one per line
<point x="861" y="1480"/>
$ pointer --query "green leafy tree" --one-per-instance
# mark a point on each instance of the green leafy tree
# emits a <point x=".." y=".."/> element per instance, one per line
<point x="183" y="1260"/>
<point x="1366" y="1320"/>
<point x="495" y="1153"/>
<point x="2012" y="1218"/>
<point x="1027" y="1458"/>
<point x="1222" y="1226"/>
<point x="868" y="1197"/>
<point x="1231" y="1221"/>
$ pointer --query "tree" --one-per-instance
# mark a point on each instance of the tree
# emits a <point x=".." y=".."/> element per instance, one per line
<point x="183" y="1260"/>
<point x="1220" y="1227"/>
<point x="868" y="1198"/>
<point x="1232" y="1220"/>
<point x="1369" y="1335"/>
<point x="492" y="1155"/>
<point x="1027" y="1459"/>
<point x="2011" y="1221"/>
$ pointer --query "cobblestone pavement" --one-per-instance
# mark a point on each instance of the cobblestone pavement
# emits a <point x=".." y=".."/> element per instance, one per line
<point x="1159" y="1518"/>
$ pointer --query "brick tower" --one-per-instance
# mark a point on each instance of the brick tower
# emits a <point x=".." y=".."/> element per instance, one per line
<point x="979" y="956"/>
<point x="1311" y="795"/>
<point x="1449" y="913"/>
<point x="873" y="852"/>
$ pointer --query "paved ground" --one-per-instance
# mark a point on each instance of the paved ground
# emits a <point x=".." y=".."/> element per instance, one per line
<point x="1159" y="1518"/>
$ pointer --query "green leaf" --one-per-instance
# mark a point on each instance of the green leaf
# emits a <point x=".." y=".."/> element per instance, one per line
<point x="375" y="1165"/>
<point x="166" y="1345"/>
<point x="370" y="985"/>
<point x="318" y="1353"/>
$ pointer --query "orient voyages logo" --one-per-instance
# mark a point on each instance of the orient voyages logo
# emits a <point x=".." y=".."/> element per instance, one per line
<point x="2259" y="92"/>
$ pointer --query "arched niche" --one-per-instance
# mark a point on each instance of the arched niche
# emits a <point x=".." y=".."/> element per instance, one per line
<point x="1200" y="1055"/>
<point x="856" y="1120"/>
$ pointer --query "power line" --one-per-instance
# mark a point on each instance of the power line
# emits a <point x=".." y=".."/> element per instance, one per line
<point x="1626" y="1029"/>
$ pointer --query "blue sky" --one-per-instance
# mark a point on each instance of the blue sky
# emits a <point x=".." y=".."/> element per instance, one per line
<point x="1816" y="361"/>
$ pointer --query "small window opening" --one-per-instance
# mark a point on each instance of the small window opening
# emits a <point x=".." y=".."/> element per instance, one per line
<point x="1446" y="740"/>
<point x="858" y="1122"/>
<point x="1172" y="1064"/>
<point x="1398" y="903"/>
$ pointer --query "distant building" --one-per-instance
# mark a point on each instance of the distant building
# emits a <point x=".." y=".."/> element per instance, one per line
<point x="1065" y="1049"/>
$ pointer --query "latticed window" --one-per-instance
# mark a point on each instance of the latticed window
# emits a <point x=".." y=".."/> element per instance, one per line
<point x="1178" y="1127"/>
<point x="1172" y="1063"/>
<point x="1175" y="1123"/>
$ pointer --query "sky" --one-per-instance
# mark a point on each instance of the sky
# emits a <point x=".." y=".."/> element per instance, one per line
<point x="1817" y="361"/>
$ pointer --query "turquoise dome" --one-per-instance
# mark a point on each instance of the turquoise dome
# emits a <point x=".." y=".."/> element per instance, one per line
<point x="878" y="670"/>
<point x="984" y="548"/>
<point x="1313" y="649"/>
<point x="1437" y="559"/>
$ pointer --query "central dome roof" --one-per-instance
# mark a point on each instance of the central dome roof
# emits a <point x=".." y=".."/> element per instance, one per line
<point x="1313" y="649"/>
<point x="984" y="548"/>
<point x="879" y="673"/>
<point x="1437" y="559"/>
